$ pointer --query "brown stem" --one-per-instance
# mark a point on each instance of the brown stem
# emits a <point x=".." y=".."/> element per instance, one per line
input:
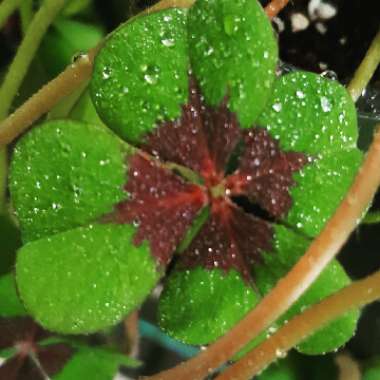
<point x="290" y="287"/>
<point x="131" y="328"/>
<point x="275" y="7"/>
<point x="46" y="98"/>
<point x="303" y="325"/>
<point x="349" y="369"/>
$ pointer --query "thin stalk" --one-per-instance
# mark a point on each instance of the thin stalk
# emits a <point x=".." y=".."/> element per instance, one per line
<point x="7" y="7"/>
<point x="46" y="98"/>
<point x="25" y="53"/>
<point x="366" y="69"/>
<point x="275" y="7"/>
<point x="3" y="179"/>
<point x="354" y="296"/>
<point x="321" y="251"/>
<point x="26" y="14"/>
<point x="132" y="335"/>
<point x="349" y="369"/>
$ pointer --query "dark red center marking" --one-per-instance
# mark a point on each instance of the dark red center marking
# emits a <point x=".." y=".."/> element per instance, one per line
<point x="30" y="361"/>
<point x="163" y="205"/>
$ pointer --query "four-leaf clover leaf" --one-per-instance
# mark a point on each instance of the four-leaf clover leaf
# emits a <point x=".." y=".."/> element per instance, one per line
<point x="233" y="171"/>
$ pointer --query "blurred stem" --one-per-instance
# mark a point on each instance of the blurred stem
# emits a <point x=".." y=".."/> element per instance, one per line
<point x="349" y="369"/>
<point x="7" y="7"/>
<point x="131" y="328"/>
<point x="354" y="296"/>
<point x="46" y="98"/>
<point x="288" y="290"/>
<point x="3" y="179"/>
<point x="26" y="51"/>
<point x="275" y="7"/>
<point x="26" y="14"/>
<point x="367" y="68"/>
<point x="372" y="218"/>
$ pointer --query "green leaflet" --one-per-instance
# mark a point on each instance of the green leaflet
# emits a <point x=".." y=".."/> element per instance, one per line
<point x="140" y="76"/>
<point x="65" y="174"/>
<point x="288" y="248"/>
<point x="310" y="114"/>
<point x="233" y="53"/>
<point x="198" y="306"/>
<point x="320" y="187"/>
<point x="95" y="364"/>
<point x="85" y="279"/>
<point x="316" y="116"/>
<point x="10" y="305"/>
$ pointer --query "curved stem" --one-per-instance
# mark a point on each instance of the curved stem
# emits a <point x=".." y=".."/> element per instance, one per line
<point x="275" y="7"/>
<point x="321" y="251"/>
<point x="26" y="14"/>
<point x="7" y="7"/>
<point x="46" y="98"/>
<point x="26" y="52"/>
<point x="367" y="68"/>
<point x="303" y="325"/>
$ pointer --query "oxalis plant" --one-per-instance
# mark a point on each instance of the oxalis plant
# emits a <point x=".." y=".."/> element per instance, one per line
<point x="204" y="168"/>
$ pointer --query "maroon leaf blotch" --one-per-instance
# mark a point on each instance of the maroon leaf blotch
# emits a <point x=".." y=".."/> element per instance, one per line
<point x="30" y="360"/>
<point x="202" y="139"/>
<point x="265" y="173"/>
<point x="54" y="357"/>
<point x="161" y="204"/>
<point x="231" y="238"/>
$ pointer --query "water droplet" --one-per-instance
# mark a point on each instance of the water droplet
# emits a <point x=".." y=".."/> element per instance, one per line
<point x="209" y="51"/>
<point x="280" y="353"/>
<point x="277" y="107"/>
<point x="168" y="42"/>
<point x="329" y="74"/>
<point x="150" y="79"/>
<point x="325" y="104"/>
<point x="77" y="56"/>
<point x="106" y="73"/>
<point x="300" y="94"/>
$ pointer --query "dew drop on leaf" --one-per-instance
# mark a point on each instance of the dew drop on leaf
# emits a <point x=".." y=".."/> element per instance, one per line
<point x="277" y="107"/>
<point x="325" y="104"/>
